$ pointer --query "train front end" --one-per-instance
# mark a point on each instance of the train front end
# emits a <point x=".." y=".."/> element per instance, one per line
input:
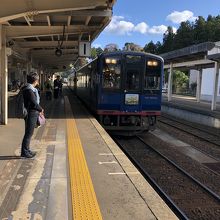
<point x="130" y="92"/>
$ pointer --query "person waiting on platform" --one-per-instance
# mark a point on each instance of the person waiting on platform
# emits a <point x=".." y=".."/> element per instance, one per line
<point x="57" y="87"/>
<point x="48" y="88"/>
<point x="32" y="104"/>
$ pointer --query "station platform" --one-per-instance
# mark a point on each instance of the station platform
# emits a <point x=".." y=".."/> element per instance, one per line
<point x="187" y="108"/>
<point x="78" y="173"/>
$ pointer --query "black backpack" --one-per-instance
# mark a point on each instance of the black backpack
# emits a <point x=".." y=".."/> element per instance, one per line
<point x="20" y="110"/>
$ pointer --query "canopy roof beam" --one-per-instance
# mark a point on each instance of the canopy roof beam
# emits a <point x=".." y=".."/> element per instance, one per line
<point x="45" y="44"/>
<point x="37" y="31"/>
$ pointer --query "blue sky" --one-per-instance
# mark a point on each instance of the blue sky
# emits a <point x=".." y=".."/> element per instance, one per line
<point x="140" y="21"/>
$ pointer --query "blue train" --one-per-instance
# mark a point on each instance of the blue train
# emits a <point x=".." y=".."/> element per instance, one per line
<point x="123" y="89"/>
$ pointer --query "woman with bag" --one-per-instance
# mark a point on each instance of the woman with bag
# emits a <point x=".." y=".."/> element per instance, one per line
<point x="34" y="110"/>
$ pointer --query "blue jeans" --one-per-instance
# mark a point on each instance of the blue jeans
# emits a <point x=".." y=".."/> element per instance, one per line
<point x="30" y="124"/>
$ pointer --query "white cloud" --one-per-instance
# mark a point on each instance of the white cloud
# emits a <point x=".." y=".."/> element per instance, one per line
<point x="120" y="26"/>
<point x="141" y="27"/>
<point x="174" y="30"/>
<point x="158" y="29"/>
<point x="97" y="45"/>
<point x="177" y="17"/>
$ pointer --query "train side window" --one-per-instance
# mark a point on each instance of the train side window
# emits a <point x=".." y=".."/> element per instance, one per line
<point x="152" y="79"/>
<point x="111" y="73"/>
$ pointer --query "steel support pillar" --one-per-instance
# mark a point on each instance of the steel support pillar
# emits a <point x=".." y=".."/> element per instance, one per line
<point x="170" y="82"/>
<point x="3" y="76"/>
<point x="215" y="87"/>
<point x="199" y="85"/>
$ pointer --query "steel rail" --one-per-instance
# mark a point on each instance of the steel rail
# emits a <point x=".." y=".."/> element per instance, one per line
<point x="179" y="213"/>
<point x="207" y="189"/>
<point x="191" y="133"/>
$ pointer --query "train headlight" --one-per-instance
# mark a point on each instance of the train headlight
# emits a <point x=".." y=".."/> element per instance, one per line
<point x="155" y="63"/>
<point x="149" y="63"/>
<point x="152" y="63"/>
<point x="108" y="60"/>
<point x="114" y="61"/>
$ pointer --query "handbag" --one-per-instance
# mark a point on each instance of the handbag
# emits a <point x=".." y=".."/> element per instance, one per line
<point x="41" y="120"/>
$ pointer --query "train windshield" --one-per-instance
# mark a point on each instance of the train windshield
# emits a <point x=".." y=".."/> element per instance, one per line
<point x="152" y="76"/>
<point x="132" y="79"/>
<point x="111" y="73"/>
<point x="132" y="82"/>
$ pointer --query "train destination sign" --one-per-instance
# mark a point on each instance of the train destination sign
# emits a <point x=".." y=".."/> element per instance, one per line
<point x="131" y="99"/>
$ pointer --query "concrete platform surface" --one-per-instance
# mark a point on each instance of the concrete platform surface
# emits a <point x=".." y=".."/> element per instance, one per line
<point x="35" y="188"/>
<point x="121" y="190"/>
<point x="40" y="188"/>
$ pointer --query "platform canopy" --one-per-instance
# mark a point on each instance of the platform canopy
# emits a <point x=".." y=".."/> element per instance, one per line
<point x="194" y="56"/>
<point x="35" y="28"/>
<point x="215" y="57"/>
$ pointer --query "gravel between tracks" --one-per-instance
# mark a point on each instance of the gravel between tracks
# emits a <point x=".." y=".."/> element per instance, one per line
<point x="202" y="145"/>
<point x="197" y="170"/>
<point x="194" y="201"/>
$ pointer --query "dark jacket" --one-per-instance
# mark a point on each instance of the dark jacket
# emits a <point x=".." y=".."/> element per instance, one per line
<point x="30" y="101"/>
<point x="57" y="84"/>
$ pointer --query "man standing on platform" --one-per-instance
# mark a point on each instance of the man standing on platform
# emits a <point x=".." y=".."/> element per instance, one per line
<point x="48" y="88"/>
<point x="57" y="87"/>
<point x="32" y="104"/>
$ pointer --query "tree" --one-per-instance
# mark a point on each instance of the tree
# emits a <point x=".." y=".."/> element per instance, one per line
<point x="215" y="25"/>
<point x="168" y="40"/>
<point x="158" y="47"/>
<point x="200" y="34"/>
<point x="93" y="53"/>
<point x="150" y="47"/>
<point x="96" y="52"/>
<point x="99" y="51"/>
<point x="111" y="48"/>
<point x="184" y="35"/>
<point x="132" y="47"/>
<point x="180" y="81"/>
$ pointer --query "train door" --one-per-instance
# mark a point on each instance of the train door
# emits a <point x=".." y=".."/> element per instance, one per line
<point x="132" y="83"/>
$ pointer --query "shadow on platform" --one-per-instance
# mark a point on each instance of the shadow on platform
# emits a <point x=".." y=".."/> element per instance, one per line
<point x="11" y="157"/>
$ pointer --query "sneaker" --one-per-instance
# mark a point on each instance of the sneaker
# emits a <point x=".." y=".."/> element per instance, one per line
<point x="27" y="155"/>
<point x="32" y="152"/>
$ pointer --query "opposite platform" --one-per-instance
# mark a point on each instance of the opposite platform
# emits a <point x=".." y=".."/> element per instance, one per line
<point x="189" y="109"/>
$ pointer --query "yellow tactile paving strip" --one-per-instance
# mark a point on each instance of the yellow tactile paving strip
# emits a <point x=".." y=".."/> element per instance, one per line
<point x="84" y="202"/>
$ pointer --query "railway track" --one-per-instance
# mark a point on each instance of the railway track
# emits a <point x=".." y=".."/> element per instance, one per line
<point x="186" y="196"/>
<point x="210" y="135"/>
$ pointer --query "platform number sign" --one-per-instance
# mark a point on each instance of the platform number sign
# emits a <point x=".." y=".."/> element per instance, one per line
<point x="84" y="49"/>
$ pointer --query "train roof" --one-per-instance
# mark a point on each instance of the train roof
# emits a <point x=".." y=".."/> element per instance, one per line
<point x="123" y="53"/>
<point x="131" y="52"/>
